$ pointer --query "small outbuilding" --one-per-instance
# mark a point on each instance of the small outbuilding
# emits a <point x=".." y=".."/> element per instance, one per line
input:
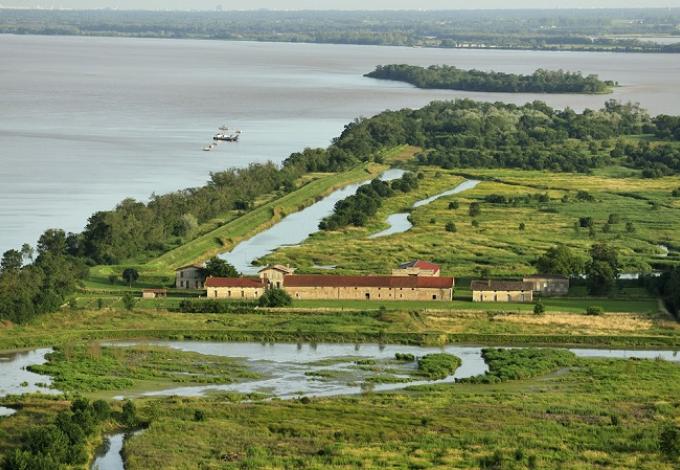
<point x="273" y="275"/>
<point x="548" y="284"/>
<point x="502" y="291"/>
<point x="417" y="268"/>
<point x="154" y="293"/>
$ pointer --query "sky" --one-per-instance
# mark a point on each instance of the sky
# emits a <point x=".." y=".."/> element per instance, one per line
<point x="335" y="4"/>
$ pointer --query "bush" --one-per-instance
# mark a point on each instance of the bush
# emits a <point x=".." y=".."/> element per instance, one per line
<point x="518" y="364"/>
<point x="669" y="441"/>
<point x="475" y="209"/>
<point x="129" y="415"/>
<point x="199" y="415"/>
<point x="539" y="308"/>
<point x="129" y="301"/>
<point x="275" y="298"/>
<point x="215" y="306"/>
<point x="438" y="366"/>
<point x="406" y="357"/>
<point x="453" y="205"/>
<point x="451" y="227"/>
<point x="594" y="310"/>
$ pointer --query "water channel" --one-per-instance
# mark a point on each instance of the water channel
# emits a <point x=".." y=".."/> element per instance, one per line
<point x="293" y="229"/>
<point x="400" y="223"/>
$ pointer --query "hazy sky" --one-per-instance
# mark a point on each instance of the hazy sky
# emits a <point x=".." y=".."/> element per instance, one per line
<point x="337" y="4"/>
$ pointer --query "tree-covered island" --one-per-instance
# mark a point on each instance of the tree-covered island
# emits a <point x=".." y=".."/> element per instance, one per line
<point x="448" y="77"/>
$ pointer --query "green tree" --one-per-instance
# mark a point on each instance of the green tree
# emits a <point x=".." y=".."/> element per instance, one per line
<point x="614" y="219"/>
<point x="561" y="260"/>
<point x="475" y="209"/>
<point x="453" y="205"/>
<point x="275" y="298"/>
<point x="12" y="260"/>
<point x="129" y="301"/>
<point x="130" y="275"/>
<point x="522" y="227"/>
<point x="539" y="308"/>
<point x="450" y="227"/>
<point x="603" y="269"/>
<point x="218" y="267"/>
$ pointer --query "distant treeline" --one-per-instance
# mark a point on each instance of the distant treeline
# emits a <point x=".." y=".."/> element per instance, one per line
<point x="451" y="78"/>
<point x="589" y="30"/>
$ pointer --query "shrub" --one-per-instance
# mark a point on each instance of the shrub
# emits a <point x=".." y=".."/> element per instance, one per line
<point x="129" y="301"/>
<point x="539" y="308"/>
<point x="438" y="366"/>
<point x="594" y="310"/>
<point x="199" y="415"/>
<point x="451" y="227"/>
<point x="275" y="298"/>
<point x="630" y="228"/>
<point x="585" y="222"/>
<point x="522" y="226"/>
<point x="614" y="219"/>
<point x="129" y="415"/>
<point x="406" y="357"/>
<point x="475" y="209"/>
<point x="215" y="306"/>
<point x="453" y="205"/>
<point x="669" y="441"/>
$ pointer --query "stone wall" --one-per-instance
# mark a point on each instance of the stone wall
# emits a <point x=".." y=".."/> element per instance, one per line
<point x="234" y="293"/>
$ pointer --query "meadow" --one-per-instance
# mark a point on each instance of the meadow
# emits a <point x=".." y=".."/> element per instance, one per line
<point x="495" y="241"/>
<point x="568" y="413"/>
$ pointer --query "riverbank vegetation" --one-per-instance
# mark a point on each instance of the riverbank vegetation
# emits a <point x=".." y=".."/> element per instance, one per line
<point x="491" y="324"/>
<point x="613" y="30"/>
<point x="598" y="412"/>
<point x="91" y="367"/>
<point x="448" y="77"/>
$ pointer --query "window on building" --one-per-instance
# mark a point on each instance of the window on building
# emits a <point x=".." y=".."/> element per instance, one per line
<point x="368" y="296"/>
<point x="434" y="297"/>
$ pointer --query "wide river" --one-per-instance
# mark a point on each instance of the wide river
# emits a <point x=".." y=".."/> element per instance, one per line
<point x="89" y="121"/>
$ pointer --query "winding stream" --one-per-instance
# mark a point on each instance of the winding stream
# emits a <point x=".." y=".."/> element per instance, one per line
<point x="292" y="229"/>
<point x="399" y="223"/>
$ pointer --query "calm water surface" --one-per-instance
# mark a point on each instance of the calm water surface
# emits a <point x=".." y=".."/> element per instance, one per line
<point x="89" y="121"/>
<point x="292" y="229"/>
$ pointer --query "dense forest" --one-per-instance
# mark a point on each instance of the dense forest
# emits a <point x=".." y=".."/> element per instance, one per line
<point x="447" y="77"/>
<point x="587" y="29"/>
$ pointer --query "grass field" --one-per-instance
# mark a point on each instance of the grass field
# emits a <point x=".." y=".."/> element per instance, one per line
<point x="497" y="243"/>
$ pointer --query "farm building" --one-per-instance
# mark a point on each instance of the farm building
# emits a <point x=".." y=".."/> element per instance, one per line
<point x="154" y="293"/>
<point x="502" y="291"/>
<point x="417" y="268"/>
<point x="190" y="277"/>
<point x="273" y="275"/>
<point x="369" y="287"/>
<point x="549" y="284"/>
<point x="427" y="285"/>
<point x="236" y="288"/>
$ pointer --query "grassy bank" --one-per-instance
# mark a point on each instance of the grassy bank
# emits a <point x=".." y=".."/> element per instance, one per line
<point x="408" y="327"/>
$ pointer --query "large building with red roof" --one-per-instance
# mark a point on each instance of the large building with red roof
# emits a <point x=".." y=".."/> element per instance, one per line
<point x="418" y="280"/>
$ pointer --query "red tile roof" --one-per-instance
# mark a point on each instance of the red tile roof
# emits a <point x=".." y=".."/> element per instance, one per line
<point x="320" y="280"/>
<point x="420" y="264"/>
<point x="233" y="282"/>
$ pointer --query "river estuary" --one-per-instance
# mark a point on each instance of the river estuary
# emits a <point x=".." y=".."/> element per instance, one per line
<point x="79" y="133"/>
